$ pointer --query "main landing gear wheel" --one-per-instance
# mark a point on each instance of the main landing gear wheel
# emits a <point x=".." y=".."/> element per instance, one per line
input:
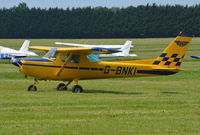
<point x="32" y="88"/>
<point x="77" y="89"/>
<point x="61" y="86"/>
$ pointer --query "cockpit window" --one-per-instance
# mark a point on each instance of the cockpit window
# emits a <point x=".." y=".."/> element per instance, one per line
<point x="75" y="59"/>
<point x="51" y="54"/>
<point x="64" y="57"/>
<point x="93" y="58"/>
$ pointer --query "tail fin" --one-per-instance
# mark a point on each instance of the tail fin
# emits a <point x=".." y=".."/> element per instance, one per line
<point x="126" y="47"/>
<point x="25" y="46"/>
<point x="173" y="55"/>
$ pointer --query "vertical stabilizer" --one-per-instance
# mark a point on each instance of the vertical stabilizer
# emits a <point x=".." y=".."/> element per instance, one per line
<point x="126" y="48"/>
<point x="173" y="55"/>
<point x="25" y="46"/>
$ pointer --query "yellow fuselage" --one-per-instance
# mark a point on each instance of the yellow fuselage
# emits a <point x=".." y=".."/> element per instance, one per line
<point x="47" y="69"/>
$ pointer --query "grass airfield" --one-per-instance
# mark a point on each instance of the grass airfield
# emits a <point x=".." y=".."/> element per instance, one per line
<point x="164" y="105"/>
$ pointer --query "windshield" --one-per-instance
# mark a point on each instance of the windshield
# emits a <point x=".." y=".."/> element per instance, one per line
<point x="93" y="58"/>
<point x="51" y="53"/>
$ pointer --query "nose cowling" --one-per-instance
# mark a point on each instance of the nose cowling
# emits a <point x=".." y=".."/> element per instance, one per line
<point x="17" y="62"/>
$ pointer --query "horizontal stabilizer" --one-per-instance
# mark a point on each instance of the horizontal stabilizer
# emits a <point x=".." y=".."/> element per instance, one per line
<point x="166" y="69"/>
<point x="132" y="55"/>
<point x="198" y="57"/>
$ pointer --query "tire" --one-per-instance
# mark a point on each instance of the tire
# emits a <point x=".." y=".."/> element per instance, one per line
<point x="61" y="86"/>
<point x="77" y="89"/>
<point x="32" y="88"/>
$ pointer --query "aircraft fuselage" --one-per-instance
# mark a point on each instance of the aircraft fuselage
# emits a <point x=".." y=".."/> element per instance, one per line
<point x="46" y="69"/>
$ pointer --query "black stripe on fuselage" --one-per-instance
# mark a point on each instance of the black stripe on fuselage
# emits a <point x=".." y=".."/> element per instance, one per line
<point x="156" y="72"/>
<point x="81" y="68"/>
<point x="94" y="69"/>
<point x="71" y="67"/>
<point x="42" y="65"/>
<point x="84" y="68"/>
<point x="100" y="69"/>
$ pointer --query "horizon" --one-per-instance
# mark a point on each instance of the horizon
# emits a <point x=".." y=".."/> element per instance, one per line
<point x="95" y="3"/>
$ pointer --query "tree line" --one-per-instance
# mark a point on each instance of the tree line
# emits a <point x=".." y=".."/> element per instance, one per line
<point x="99" y="22"/>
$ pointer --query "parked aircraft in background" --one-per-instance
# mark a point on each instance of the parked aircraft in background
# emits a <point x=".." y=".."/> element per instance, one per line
<point x="87" y="45"/>
<point x="8" y="53"/>
<point x="74" y="64"/>
<point x="198" y="57"/>
<point x="124" y="49"/>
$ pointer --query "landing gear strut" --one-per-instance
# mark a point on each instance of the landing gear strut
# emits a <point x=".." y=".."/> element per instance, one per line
<point x="62" y="86"/>
<point x="33" y="86"/>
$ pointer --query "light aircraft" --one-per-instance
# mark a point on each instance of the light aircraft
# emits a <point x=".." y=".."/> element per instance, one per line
<point x="198" y="57"/>
<point x="90" y="46"/>
<point x="125" y="49"/>
<point x="8" y="53"/>
<point x="74" y="64"/>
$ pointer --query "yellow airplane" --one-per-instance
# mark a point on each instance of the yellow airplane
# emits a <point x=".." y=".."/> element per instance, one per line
<point x="74" y="64"/>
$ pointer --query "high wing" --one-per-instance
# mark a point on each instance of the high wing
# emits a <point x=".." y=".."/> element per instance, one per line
<point x="41" y="48"/>
<point x="87" y="45"/>
<point x="77" y="50"/>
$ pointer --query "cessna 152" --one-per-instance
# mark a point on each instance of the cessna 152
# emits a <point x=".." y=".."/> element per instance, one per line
<point x="8" y="53"/>
<point x="74" y="64"/>
<point x="125" y="49"/>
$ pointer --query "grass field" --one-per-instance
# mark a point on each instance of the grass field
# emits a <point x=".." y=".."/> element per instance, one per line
<point x="166" y="105"/>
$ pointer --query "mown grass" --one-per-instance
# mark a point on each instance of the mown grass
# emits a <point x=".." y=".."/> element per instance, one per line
<point x="168" y="105"/>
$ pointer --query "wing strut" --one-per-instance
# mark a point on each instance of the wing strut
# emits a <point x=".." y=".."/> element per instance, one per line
<point x="70" y="55"/>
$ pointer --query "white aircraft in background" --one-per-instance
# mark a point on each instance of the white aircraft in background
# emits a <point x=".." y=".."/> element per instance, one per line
<point x="125" y="49"/>
<point x="8" y="53"/>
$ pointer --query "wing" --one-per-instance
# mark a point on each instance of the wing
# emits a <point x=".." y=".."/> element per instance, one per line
<point x="87" y="45"/>
<point x="41" y="48"/>
<point x="77" y="50"/>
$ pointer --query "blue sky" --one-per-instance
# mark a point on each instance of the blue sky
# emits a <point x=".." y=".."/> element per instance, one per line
<point x="93" y="3"/>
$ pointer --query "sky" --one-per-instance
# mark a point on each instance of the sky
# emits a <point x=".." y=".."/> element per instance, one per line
<point x="93" y="3"/>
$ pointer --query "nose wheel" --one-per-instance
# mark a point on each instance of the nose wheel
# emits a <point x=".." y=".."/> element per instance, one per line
<point x="33" y="86"/>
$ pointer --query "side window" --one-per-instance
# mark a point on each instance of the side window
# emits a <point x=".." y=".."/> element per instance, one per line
<point x="64" y="57"/>
<point x="75" y="59"/>
<point x="93" y="58"/>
